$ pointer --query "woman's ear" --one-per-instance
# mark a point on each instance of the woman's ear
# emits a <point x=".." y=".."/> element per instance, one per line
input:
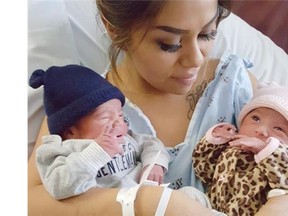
<point x="109" y="27"/>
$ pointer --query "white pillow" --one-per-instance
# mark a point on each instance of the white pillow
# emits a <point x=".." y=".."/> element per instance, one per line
<point x="61" y="32"/>
<point x="270" y="61"/>
<point x="50" y="42"/>
<point x="66" y="32"/>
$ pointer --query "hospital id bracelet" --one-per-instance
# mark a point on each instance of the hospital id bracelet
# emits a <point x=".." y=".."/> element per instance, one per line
<point x="126" y="197"/>
<point x="163" y="203"/>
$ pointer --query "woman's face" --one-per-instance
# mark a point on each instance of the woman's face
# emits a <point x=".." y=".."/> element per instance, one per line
<point x="168" y="58"/>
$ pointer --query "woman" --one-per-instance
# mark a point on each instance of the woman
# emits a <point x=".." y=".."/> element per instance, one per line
<point x="163" y="74"/>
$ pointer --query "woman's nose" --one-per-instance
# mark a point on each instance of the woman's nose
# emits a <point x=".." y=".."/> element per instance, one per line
<point x="262" y="131"/>
<point x="192" y="56"/>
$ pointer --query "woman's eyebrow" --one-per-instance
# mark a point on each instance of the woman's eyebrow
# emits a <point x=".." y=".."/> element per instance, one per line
<point x="178" y="31"/>
<point x="172" y="30"/>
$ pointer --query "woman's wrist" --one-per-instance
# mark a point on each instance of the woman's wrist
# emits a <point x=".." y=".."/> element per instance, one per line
<point x="147" y="200"/>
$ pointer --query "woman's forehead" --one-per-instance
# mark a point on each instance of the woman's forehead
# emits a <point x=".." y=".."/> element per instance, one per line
<point x="186" y="14"/>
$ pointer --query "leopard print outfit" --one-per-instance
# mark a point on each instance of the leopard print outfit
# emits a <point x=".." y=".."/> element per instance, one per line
<point x="237" y="185"/>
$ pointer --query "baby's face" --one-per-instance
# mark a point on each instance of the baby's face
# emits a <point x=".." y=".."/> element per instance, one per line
<point x="263" y="123"/>
<point x="106" y="118"/>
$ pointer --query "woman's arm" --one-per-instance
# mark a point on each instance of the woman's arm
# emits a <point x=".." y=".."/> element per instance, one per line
<point x="101" y="201"/>
<point x="276" y="206"/>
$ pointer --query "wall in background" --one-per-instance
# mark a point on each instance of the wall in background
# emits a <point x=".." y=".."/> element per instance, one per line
<point x="269" y="17"/>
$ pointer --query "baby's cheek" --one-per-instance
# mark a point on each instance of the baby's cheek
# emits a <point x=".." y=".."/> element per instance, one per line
<point x="125" y="129"/>
<point x="284" y="140"/>
<point x="99" y="130"/>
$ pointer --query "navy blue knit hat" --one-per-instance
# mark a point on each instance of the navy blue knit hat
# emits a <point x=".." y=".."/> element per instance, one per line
<point x="71" y="92"/>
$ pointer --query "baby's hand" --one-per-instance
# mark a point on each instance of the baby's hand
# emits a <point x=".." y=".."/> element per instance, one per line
<point x="251" y="144"/>
<point x="226" y="131"/>
<point x="110" y="143"/>
<point x="156" y="174"/>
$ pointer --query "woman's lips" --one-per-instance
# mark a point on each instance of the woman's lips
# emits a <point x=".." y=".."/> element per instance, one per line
<point x="187" y="80"/>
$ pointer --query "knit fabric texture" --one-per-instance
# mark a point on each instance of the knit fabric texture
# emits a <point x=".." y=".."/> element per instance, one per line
<point x="70" y="93"/>
<point x="269" y="95"/>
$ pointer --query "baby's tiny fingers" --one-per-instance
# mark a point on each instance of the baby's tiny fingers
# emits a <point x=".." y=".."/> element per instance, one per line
<point x="235" y="143"/>
<point x="106" y="130"/>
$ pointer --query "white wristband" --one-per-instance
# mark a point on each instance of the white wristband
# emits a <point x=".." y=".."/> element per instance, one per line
<point x="163" y="202"/>
<point x="126" y="197"/>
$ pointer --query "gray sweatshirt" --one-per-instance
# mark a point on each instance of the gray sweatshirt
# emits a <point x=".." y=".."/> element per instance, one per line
<point x="71" y="167"/>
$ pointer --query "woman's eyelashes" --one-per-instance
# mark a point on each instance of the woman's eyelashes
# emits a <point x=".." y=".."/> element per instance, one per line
<point x="209" y="36"/>
<point x="171" y="48"/>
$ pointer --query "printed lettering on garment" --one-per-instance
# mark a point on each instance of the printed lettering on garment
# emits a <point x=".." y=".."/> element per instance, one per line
<point x="120" y="165"/>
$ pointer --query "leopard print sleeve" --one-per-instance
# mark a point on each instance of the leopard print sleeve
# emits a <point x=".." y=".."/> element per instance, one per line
<point x="205" y="158"/>
<point x="275" y="167"/>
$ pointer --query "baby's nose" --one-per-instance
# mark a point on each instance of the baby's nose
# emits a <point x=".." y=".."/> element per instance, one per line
<point x="262" y="131"/>
<point x="116" y="122"/>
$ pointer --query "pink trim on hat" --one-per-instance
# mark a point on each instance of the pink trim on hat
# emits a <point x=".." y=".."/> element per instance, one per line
<point x="269" y="95"/>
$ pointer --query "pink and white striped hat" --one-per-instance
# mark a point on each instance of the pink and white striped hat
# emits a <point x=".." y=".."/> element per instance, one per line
<point x="270" y="95"/>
